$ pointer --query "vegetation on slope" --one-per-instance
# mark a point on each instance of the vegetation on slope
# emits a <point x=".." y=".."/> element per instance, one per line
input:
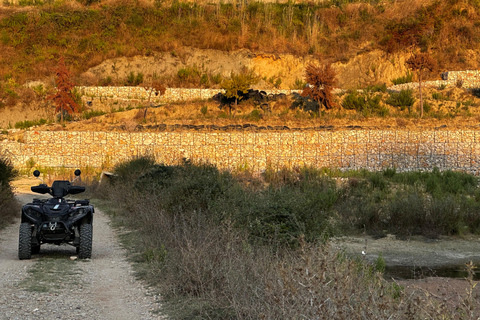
<point x="31" y="41"/>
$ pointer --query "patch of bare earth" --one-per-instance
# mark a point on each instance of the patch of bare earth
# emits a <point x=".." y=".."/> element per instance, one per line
<point x="423" y="254"/>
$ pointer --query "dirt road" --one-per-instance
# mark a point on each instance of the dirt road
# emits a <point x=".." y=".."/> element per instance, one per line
<point x="53" y="286"/>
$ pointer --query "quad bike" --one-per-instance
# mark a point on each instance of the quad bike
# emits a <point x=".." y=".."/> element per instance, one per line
<point x="56" y="220"/>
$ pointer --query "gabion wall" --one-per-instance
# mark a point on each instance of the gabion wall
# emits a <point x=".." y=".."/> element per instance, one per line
<point x="256" y="150"/>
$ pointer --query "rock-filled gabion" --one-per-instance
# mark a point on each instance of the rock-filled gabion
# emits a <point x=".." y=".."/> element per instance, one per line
<point x="256" y="149"/>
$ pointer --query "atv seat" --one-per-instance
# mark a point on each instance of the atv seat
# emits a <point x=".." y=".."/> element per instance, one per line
<point x="60" y="188"/>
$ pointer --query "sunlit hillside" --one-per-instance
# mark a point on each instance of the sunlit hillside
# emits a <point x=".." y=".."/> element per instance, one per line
<point x="32" y="37"/>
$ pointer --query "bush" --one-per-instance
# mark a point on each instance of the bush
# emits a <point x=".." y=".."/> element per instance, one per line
<point x="255" y="115"/>
<point x="354" y="101"/>
<point x="9" y="207"/>
<point x="134" y="80"/>
<point x="366" y="103"/>
<point x="130" y="170"/>
<point x="438" y="96"/>
<point x="29" y="123"/>
<point x="377" y="88"/>
<point x="7" y="171"/>
<point x="401" y="99"/>
<point x="407" y="214"/>
<point x="404" y="79"/>
<point x="92" y="113"/>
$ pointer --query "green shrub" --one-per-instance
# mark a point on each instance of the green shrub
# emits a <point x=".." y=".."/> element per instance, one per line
<point x="130" y="170"/>
<point x="438" y="96"/>
<point x="404" y="79"/>
<point x="188" y="73"/>
<point x="204" y="80"/>
<point x="9" y="207"/>
<point x="216" y="79"/>
<point x="406" y="214"/>
<point x="29" y="123"/>
<point x="107" y="81"/>
<point x="377" y="88"/>
<point x="255" y="115"/>
<point x="401" y="99"/>
<point x="354" y="101"/>
<point x="134" y="80"/>
<point x="378" y="180"/>
<point x="427" y="107"/>
<point x="92" y="113"/>
<point x="366" y="103"/>
<point x="299" y="84"/>
<point x="444" y="218"/>
<point x="7" y="171"/>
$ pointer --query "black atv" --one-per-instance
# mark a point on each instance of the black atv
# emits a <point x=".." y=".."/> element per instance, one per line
<point x="56" y="220"/>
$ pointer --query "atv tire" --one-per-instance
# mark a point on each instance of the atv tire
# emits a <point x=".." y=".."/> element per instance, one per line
<point x="25" y="241"/>
<point x="85" y="247"/>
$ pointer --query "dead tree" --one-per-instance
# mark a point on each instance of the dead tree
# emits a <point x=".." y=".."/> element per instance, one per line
<point x="63" y="98"/>
<point x="420" y="63"/>
<point x="321" y="81"/>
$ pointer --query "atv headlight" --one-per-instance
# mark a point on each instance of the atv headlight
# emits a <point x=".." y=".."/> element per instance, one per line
<point x="32" y="214"/>
<point x="77" y="211"/>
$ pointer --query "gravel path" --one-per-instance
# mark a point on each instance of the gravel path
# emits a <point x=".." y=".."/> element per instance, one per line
<point x="53" y="286"/>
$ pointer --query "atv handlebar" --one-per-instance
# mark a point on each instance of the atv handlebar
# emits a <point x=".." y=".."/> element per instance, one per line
<point x="59" y="188"/>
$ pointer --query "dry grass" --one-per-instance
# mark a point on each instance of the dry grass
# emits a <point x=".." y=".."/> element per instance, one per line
<point x="88" y="35"/>
<point x="211" y="261"/>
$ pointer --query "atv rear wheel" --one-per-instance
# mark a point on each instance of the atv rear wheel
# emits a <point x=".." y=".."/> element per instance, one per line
<point x="25" y="241"/>
<point x="85" y="247"/>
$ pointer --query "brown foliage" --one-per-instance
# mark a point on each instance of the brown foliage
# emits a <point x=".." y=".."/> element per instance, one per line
<point x="158" y="88"/>
<point x="421" y="62"/>
<point x="63" y="98"/>
<point x="321" y="81"/>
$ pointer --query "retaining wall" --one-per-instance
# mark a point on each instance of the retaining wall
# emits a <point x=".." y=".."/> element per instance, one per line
<point x="171" y="94"/>
<point x="470" y="79"/>
<point x="350" y="149"/>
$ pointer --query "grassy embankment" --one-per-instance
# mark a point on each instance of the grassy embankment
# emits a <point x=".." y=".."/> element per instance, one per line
<point x="32" y="40"/>
<point x="221" y="246"/>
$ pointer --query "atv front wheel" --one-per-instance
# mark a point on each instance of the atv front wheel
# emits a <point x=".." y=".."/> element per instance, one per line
<point x="85" y="247"/>
<point x="25" y="241"/>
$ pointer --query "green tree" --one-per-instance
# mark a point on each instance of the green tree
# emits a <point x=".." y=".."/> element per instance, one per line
<point x="420" y="63"/>
<point x="238" y="84"/>
<point x="64" y="98"/>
